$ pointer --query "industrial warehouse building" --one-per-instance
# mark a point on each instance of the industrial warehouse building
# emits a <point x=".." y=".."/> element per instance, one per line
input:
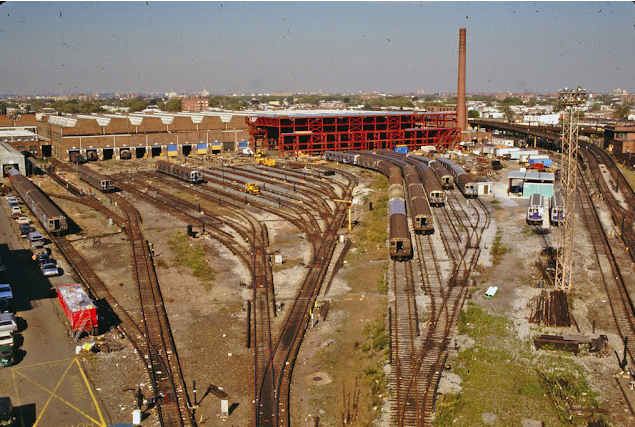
<point x="153" y="134"/>
<point x="138" y="135"/>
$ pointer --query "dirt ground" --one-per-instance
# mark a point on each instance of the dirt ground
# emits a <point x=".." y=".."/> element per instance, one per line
<point x="335" y="371"/>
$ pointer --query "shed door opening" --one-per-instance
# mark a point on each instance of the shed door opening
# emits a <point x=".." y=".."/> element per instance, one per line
<point x="140" y="152"/>
<point x="108" y="153"/>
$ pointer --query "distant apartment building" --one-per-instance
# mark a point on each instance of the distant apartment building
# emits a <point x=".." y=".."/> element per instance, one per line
<point x="194" y="105"/>
<point x="628" y="98"/>
<point x="542" y="119"/>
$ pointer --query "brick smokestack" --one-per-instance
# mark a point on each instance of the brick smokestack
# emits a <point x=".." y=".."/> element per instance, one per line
<point x="461" y="108"/>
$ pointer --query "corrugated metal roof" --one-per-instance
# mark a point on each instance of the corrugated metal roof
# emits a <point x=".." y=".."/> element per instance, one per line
<point x="531" y="175"/>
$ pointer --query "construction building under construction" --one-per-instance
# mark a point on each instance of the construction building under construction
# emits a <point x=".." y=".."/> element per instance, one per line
<point x="313" y="132"/>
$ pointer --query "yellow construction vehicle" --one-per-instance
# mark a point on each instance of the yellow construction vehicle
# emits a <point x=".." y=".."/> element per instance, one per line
<point x="265" y="161"/>
<point x="258" y="154"/>
<point x="252" y="188"/>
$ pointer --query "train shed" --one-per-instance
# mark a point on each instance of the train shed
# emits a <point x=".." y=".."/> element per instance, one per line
<point x="313" y="132"/>
<point x="526" y="183"/>
<point x="11" y="158"/>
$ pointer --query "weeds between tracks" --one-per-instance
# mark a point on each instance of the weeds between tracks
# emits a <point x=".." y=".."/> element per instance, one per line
<point x="503" y="378"/>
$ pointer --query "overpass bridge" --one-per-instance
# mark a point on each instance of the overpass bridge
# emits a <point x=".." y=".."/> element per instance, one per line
<point x="550" y="133"/>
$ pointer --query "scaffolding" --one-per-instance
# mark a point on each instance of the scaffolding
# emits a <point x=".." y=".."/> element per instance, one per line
<point x="314" y="132"/>
<point x="570" y="100"/>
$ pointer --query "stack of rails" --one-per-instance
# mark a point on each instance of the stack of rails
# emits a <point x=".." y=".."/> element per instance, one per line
<point x="97" y="180"/>
<point x="51" y="217"/>
<point x="419" y="208"/>
<point x="556" y="209"/>
<point x="464" y="180"/>
<point x="181" y="172"/>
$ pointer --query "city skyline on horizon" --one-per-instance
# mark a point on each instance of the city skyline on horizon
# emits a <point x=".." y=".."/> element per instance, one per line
<point x="310" y="47"/>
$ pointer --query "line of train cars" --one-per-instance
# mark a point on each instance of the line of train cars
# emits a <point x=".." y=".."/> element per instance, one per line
<point x="418" y="198"/>
<point x="94" y="178"/>
<point x="463" y="180"/>
<point x="49" y="215"/>
<point x="400" y="242"/>
<point x="182" y="172"/>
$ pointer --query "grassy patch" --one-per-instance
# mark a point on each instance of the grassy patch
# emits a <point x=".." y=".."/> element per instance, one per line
<point x="382" y="282"/>
<point x="495" y="204"/>
<point x="628" y="174"/>
<point x="192" y="256"/>
<point x="503" y="376"/>
<point x="498" y="249"/>
<point x="375" y="348"/>
<point x="374" y="233"/>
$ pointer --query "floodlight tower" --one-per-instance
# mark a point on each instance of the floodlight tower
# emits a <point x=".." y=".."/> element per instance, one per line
<point x="570" y="100"/>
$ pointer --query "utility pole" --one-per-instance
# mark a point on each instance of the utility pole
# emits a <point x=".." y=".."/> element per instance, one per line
<point x="570" y="100"/>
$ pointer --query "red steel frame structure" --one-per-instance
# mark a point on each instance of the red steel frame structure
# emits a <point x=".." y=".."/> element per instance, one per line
<point x="309" y="133"/>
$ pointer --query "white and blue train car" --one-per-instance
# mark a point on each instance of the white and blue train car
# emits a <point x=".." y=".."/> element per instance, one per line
<point x="556" y="208"/>
<point x="535" y="209"/>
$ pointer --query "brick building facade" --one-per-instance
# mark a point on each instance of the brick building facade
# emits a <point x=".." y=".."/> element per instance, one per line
<point x="194" y="105"/>
<point x="106" y="136"/>
<point x="620" y="141"/>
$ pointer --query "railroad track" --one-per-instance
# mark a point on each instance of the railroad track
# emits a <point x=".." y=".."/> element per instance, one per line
<point x="414" y="406"/>
<point x="268" y="401"/>
<point x="273" y="388"/>
<point x="405" y="342"/>
<point x="623" y="213"/>
<point x="154" y="342"/>
<point x="173" y="404"/>
<point x="621" y="304"/>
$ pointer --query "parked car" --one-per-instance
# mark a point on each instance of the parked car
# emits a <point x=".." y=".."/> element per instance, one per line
<point x="25" y="229"/>
<point x="12" y="200"/>
<point x="23" y="220"/>
<point x="44" y="258"/>
<point x="49" y="269"/>
<point x="6" y="298"/>
<point x="7" y="322"/>
<point x="7" y="358"/>
<point x="6" y="337"/>
<point x="36" y="239"/>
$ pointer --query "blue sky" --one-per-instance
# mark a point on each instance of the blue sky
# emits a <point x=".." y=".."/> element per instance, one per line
<point x="244" y="47"/>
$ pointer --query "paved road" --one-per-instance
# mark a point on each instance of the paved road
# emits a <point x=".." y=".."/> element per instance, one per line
<point x="48" y="385"/>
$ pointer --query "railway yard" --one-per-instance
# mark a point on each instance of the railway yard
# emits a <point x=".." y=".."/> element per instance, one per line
<point x="241" y="284"/>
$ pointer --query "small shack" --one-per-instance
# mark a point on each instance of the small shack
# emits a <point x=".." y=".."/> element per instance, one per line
<point x="10" y="158"/>
<point x="531" y="182"/>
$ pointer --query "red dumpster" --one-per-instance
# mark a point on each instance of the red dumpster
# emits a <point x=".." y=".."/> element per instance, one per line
<point x="79" y="308"/>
